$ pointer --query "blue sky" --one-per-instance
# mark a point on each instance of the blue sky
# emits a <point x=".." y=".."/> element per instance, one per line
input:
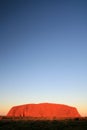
<point x="43" y="53"/>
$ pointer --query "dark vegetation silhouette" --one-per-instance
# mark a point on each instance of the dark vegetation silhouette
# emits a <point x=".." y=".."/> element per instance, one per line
<point x="19" y="123"/>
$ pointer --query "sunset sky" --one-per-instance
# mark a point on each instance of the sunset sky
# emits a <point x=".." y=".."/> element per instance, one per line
<point x="43" y="53"/>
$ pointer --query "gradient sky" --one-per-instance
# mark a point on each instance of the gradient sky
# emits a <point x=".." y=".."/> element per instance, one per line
<point x="43" y="53"/>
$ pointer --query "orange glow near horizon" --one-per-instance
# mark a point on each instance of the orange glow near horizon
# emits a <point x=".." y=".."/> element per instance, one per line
<point x="5" y="109"/>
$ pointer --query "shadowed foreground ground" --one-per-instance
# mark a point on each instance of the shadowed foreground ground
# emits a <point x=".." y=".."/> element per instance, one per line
<point x="67" y="124"/>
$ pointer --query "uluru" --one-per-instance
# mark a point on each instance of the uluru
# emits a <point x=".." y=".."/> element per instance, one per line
<point x="44" y="110"/>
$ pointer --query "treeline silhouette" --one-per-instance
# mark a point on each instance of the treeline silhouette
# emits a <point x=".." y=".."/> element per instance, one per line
<point x="10" y="123"/>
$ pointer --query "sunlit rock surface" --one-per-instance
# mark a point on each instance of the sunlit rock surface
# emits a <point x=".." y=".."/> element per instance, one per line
<point x="44" y="110"/>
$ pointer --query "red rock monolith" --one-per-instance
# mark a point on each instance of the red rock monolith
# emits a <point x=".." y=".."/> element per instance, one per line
<point x="44" y="110"/>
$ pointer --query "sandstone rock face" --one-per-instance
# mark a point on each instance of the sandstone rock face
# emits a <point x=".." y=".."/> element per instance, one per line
<point x="44" y="110"/>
